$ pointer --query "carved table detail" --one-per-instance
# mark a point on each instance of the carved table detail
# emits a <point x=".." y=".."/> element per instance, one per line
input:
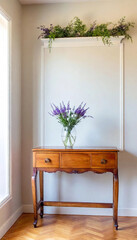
<point x="74" y="161"/>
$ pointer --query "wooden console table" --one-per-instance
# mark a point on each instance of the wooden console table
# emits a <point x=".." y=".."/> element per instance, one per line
<point x="98" y="160"/>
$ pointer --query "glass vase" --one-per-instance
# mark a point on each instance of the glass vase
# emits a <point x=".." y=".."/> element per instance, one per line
<point x="68" y="137"/>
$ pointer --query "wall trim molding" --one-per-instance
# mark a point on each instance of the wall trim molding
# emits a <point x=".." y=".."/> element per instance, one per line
<point x="123" y="212"/>
<point x="85" y="42"/>
<point x="80" y="42"/>
<point x="27" y="208"/>
<point x="11" y="220"/>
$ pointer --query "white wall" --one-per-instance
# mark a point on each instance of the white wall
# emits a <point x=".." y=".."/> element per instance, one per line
<point x="88" y="186"/>
<point x="88" y="74"/>
<point x="13" y="208"/>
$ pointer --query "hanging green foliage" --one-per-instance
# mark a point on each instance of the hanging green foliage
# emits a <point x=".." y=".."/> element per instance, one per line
<point x="76" y="28"/>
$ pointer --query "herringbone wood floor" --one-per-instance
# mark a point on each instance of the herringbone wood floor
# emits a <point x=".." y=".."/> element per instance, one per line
<point x="66" y="227"/>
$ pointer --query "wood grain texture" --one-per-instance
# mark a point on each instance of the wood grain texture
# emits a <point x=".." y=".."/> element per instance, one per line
<point x="78" y="204"/>
<point x="41" y="160"/>
<point x="34" y="159"/>
<point x="77" y="149"/>
<point x="41" y="179"/>
<point x="109" y="160"/>
<point x="77" y="170"/>
<point x="34" y="195"/>
<point x="67" y="227"/>
<point x="75" y="160"/>
<point x="115" y="199"/>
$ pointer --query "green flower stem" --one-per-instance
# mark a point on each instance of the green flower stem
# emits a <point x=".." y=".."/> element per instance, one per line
<point x="68" y="139"/>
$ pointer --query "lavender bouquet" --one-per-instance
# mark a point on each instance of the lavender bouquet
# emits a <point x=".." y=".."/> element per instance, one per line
<point x="69" y="118"/>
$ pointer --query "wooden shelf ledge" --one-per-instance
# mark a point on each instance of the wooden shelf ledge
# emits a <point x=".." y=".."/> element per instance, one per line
<point x="81" y="42"/>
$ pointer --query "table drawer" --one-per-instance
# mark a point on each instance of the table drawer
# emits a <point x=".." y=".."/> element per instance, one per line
<point x="47" y="160"/>
<point x="104" y="160"/>
<point x="75" y="160"/>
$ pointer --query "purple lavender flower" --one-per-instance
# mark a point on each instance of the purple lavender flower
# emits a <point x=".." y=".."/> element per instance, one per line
<point x="93" y="26"/>
<point x="78" y="109"/>
<point x="83" y="111"/>
<point x="62" y="108"/>
<point x="55" y="110"/>
<point x="68" y="106"/>
<point x="45" y="31"/>
<point x="67" y="116"/>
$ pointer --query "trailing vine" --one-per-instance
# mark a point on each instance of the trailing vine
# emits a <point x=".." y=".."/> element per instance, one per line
<point x="76" y="28"/>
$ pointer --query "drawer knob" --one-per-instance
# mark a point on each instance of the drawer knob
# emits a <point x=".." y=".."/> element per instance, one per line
<point x="47" y="160"/>
<point x="103" y="161"/>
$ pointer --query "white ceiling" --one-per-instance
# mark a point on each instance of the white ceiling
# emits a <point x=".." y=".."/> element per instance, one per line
<point x="52" y="1"/>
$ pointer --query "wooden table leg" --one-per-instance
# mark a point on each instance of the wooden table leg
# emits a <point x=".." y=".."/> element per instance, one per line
<point x="41" y="192"/>
<point x="115" y="198"/>
<point x="34" y="194"/>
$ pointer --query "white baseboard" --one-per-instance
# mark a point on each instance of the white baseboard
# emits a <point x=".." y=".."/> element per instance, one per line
<point x="127" y="212"/>
<point x="132" y="212"/>
<point x="7" y="225"/>
<point x="27" y="208"/>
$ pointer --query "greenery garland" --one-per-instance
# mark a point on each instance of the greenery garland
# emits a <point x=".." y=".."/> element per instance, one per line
<point x="76" y="28"/>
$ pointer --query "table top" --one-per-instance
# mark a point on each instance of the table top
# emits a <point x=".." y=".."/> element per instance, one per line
<point x="79" y="149"/>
